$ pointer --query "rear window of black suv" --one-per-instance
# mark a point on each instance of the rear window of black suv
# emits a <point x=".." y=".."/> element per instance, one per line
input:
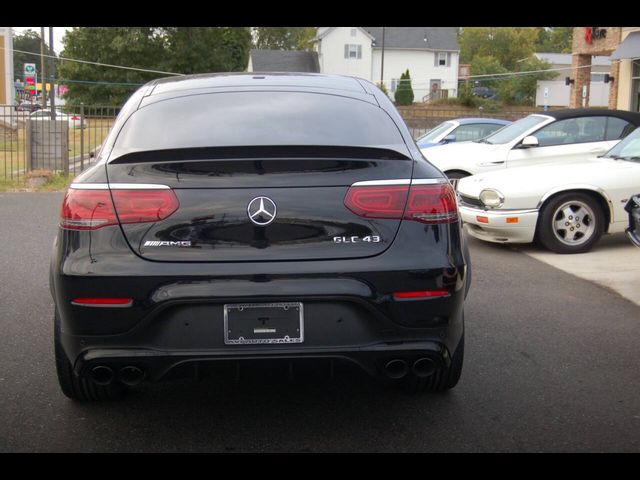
<point x="258" y="118"/>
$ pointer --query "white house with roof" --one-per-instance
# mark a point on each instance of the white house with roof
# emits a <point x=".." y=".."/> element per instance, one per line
<point x="555" y="93"/>
<point x="431" y="54"/>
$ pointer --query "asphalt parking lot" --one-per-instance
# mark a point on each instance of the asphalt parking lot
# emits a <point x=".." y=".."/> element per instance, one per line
<point x="551" y="365"/>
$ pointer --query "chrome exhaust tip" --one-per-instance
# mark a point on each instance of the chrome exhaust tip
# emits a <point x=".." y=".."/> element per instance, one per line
<point x="131" y="375"/>
<point x="396" y="368"/>
<point x="423" y="367"/>
<point x="102" y="375"/>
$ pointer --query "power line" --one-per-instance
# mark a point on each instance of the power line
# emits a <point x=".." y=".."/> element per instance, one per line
<point x="99" y="64"/>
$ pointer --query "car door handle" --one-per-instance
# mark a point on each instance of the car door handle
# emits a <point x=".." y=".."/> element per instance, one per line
<point x="488" y="164"/>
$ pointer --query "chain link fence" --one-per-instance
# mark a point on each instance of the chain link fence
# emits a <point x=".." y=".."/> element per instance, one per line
<point x="33" y="139"/>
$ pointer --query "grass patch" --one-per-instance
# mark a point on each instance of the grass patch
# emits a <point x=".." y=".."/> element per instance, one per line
<point x="57" y="182"/>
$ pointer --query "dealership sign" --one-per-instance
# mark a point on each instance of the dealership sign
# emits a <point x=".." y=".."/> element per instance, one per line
<point x="592" y="33"/>
<point x="30" y="78"/>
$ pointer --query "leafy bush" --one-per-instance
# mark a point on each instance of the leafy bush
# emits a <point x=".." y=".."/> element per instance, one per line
<point x="404" y="93"/>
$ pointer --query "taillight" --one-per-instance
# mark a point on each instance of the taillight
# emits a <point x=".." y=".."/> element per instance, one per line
<point x="420" y="294"/>
<point x="90" y="209"/>
<point x="431" y="204"/>
<point x="103" y="302"/>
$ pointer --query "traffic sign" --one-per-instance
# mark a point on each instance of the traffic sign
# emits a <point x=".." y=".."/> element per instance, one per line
<point x="29" y="69"/>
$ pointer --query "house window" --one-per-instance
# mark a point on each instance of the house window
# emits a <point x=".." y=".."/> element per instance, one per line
<point x="394" y="84"/>
<point x="442" y="59"/>
<point x="352" y="51"/>
<point x="353" y="32"/>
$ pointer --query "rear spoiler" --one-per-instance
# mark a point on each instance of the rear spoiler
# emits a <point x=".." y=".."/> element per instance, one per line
<point x="259" y="152"/>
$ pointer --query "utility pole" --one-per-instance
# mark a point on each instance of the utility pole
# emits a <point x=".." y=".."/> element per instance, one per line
<point x="43" y="70"/>
<point x="382" y="60"/>
<point x="52" y="95"/>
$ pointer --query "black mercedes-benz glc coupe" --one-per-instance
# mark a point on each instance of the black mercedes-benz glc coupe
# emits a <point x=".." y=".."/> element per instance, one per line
<point x="255" y="218"/>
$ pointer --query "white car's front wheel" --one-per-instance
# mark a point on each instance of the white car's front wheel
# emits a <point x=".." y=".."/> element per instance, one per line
<point x="571" y="223"/>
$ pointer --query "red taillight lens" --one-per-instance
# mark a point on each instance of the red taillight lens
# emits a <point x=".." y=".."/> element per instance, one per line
<point x="87" y="210"/>
<point x="93" y="209"/>
<point x="377" y="202"/>
<point x="420" y="294"/>
<point x="139" y="206"/>
<point x="429" y="204"/>
<point x="432" y="204"/>
<point x="103" y="302"/>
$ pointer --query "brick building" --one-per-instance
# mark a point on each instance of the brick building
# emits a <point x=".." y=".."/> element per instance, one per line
<point x="622" y="44"/>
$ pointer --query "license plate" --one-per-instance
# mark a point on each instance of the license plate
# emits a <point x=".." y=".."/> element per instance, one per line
<point x="256" y="323"/>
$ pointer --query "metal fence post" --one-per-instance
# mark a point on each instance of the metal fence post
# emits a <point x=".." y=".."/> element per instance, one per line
<point x="81" y="137"/>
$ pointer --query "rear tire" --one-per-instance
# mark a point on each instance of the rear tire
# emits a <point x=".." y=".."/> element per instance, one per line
<point x="74" y="387"/>
<point x="442" y="379"/>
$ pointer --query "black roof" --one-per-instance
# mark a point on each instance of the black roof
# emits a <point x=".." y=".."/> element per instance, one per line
<point x="315" y="81"/>
<point x="284" y="61"/>
<point x="631" y="117"/>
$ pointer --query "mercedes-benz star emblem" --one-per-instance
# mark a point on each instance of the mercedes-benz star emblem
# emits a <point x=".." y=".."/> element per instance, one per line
<point x="261" y="211"/>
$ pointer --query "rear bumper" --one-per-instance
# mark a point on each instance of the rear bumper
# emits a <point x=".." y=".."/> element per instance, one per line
<point x="156" y="365"/>
<point x="494" y="227"/>
<point x="176" y="316"/>
<point x="179" y="332"/>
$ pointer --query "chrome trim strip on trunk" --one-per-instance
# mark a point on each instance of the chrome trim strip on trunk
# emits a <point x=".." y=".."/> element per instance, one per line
<point x="118" y="186"/>
<point x="401" y="181"/>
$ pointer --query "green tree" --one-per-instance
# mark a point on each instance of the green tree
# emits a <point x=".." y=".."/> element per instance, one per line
<point x="138" y="47"/>
<point x="404" y="92"/>
<point x="505" y="52"/>
<point x="181" y="50"/>
<point x="205" y="49"/>
<point x="284" y="38"/>
<point x="555" y="40"/>
<point x="28" y="41"/>
<point x="509" y="45"/>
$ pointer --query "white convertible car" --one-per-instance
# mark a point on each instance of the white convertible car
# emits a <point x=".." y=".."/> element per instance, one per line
<point x="559" y="136"/>
<point x="567" y="207"/>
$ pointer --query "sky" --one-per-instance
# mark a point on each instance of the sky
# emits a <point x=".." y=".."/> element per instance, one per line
<point x="58" y="33"/>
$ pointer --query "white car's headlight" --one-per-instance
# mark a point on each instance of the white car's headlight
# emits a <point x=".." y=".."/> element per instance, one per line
<point x="491" y="198"/>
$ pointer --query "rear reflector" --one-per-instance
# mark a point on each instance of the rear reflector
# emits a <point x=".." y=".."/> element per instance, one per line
<point x="93" y="208"/>
<point x="431" y="204"/>
<point x="103" y="302"/>
<point x="420" y="294"/>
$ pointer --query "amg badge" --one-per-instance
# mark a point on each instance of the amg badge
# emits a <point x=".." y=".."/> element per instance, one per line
<point x="152" y="243"/>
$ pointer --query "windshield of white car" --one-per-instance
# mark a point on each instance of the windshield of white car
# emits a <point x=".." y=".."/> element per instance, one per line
<point x="515" y="130"/>
<point x="432" y="135"/>
<point x="627" y="149"/>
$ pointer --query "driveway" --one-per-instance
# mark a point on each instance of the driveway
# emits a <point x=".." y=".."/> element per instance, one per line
<point x="551" y="365"/>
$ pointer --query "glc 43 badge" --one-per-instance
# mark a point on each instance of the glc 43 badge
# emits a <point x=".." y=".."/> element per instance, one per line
<point x="356" y="239"/>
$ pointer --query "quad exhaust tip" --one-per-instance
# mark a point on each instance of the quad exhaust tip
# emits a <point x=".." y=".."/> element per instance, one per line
<point x="396" y="368"/>
<point x="423" y="367"/>
<point x="131" y="375"/>
<point x="102" y="375"/>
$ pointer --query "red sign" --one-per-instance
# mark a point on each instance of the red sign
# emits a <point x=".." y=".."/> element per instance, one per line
<point x="588" y="35"/>
<point x="592" y="33"/>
